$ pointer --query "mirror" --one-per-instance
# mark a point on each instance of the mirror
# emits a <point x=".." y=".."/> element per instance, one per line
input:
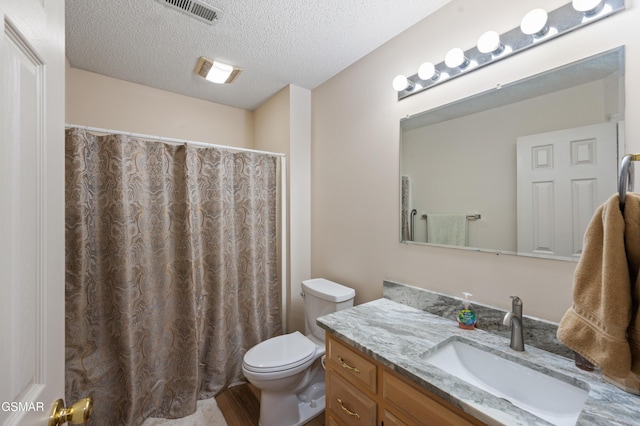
<point x="519" y="169"/>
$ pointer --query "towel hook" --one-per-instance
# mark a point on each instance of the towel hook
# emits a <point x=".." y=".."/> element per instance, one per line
<point x="626" y="177"/>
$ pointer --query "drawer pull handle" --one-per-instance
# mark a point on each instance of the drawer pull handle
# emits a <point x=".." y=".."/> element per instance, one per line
<point x="346" y="410"/>
<point x="347" y="366"/>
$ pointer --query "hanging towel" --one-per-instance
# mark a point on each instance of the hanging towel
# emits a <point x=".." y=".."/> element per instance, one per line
<point x="631" y="381"/>
<point x="603" y="324"/>
<point x="447" y="229"/>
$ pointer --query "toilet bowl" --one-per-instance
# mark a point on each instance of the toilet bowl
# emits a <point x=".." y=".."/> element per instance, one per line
<point x="287" y="369"/>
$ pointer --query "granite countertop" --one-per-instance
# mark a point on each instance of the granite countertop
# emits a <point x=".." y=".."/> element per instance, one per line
<point x="398" y="336"/>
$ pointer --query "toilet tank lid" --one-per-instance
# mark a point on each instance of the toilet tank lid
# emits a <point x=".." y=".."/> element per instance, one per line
<point x="328" y="290"/>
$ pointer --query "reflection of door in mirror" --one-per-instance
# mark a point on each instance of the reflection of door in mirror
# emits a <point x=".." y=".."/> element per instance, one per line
<point x="563" y="176"/>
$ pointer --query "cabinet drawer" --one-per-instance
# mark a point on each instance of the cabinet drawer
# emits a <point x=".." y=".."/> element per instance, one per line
<point x="389" y="419"/>
<point x="347" y="404"/>
<point x="420" y="407"/>
<point x="352" y="365"/>
<point x="331" y="421"/>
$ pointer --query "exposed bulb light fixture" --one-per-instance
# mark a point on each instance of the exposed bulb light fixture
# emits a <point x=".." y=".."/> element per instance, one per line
<point x="428" y="71"/>
<point x="456" y="59"/>
<point x="489" y="42"/>
<point x="216" y="71"/>
<point x="534" y="23"/>
<point x="400" y="83"/>
<point x="536" y="27"/>
<point x="588" y="7"/>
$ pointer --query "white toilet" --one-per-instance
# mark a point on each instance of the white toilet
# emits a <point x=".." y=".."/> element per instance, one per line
<point x="287" y="368"/>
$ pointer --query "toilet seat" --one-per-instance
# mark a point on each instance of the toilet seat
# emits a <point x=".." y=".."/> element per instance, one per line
<point x="280" y="353"/>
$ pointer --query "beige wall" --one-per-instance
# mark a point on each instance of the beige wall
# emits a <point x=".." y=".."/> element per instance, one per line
<point x="355" y="156"/>
<point x="99" y="101"/>
<point x="271" y="123"/>
<point x="283" y="124"/>
<point x="300" y="205"/>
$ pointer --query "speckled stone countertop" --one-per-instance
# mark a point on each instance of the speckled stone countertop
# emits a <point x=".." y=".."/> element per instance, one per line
<point x="399" y="337"/>
<point x="537" y="332"/>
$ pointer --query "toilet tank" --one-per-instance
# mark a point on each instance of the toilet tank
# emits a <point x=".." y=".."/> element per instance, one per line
<point x="322" y="297"/>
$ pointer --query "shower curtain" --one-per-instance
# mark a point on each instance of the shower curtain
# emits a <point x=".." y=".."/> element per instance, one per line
<point x="171" y="272"/>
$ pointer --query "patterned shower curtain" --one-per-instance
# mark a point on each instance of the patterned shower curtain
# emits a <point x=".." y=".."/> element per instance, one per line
<point x="171" y="272"/>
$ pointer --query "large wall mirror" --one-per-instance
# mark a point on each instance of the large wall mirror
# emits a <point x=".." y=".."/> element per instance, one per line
<point x="519" y="169"/>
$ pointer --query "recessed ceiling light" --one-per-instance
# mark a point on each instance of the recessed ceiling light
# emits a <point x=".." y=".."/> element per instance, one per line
<point x="216" y="71"/>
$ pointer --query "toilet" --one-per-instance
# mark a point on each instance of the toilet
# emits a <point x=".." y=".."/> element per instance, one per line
<point x="287" y="369"/>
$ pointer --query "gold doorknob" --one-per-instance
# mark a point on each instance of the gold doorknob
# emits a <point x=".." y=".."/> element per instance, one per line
<point x="77" y="414"/>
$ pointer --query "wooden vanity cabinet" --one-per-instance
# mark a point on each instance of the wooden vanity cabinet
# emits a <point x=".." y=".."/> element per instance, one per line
<point x="361" y="391"/>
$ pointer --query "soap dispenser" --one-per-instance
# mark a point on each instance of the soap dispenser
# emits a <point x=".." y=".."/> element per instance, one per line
<point x="466" y="315"/>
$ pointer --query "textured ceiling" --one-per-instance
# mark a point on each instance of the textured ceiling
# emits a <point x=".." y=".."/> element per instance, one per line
<point x="276" y="42"/>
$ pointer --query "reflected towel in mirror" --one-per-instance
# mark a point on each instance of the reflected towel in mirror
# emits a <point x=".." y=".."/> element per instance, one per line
<point x="447" y="229"/>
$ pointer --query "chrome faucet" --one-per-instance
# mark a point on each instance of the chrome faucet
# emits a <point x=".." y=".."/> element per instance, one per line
<point x="514" y="318"/>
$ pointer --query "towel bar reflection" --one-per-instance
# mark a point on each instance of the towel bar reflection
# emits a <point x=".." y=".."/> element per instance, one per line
<point x="413" y="217"/>
<point x="476" y="216"/>
<point x="626" y="177"/>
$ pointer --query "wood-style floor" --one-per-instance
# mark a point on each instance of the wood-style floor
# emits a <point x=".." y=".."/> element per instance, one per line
<point x="240" y="406"/>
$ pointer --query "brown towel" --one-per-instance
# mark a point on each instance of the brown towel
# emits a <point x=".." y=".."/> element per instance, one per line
<point x="631" y="381"/>
<point x="603" y="324"/>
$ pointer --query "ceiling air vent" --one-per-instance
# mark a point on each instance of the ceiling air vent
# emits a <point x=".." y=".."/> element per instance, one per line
<point x="195" y="8"/>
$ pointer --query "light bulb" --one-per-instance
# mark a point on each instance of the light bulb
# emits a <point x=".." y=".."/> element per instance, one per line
<point x="219" y="72"/>
<point x="428" y="71"/>
<point x="534" y="23"/>
<point x="588" y="7"/>
<point x="400" y="83"/>
<point x="489" y="42"/>
<point x="455" y="58"/>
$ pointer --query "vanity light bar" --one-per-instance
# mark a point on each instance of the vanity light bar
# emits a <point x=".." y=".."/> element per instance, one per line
<point x="541" y="27"/>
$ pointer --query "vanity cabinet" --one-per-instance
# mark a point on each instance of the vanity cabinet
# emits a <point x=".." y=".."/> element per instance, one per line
<point x="361" y="391"/>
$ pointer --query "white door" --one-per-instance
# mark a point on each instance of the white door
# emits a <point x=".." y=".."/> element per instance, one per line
<point x="563" y="177"/>
<point x="32" y="66"/>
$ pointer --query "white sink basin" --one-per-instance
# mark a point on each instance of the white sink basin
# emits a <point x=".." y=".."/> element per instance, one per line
<point x="549" y="398"/>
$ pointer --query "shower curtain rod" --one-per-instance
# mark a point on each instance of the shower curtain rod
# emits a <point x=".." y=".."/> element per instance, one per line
<point x="171" y="140"/>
